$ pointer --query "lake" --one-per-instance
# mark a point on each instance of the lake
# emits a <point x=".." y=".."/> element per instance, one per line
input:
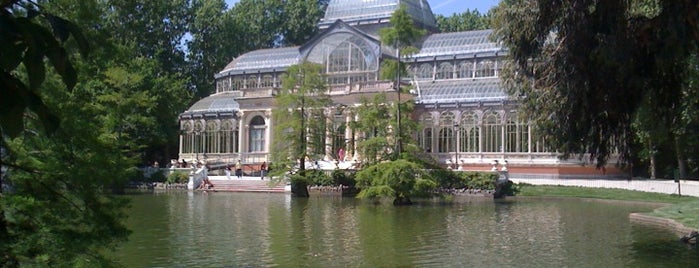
<point x="195" y="229"/>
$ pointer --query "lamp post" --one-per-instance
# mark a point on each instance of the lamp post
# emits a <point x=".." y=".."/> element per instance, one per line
<point x="456" y="146"/>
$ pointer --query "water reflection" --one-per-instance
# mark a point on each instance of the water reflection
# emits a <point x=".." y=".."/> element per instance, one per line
<point x="263" y="230"/>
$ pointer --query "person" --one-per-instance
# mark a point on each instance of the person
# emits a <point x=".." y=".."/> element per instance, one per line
<point x="206" y="184"/>
<point x="263" y="170"/>
<point x="341" y="154"/>
<point x="239" y="169"/>
<point x="183" y="164"/>
<point x="228" y="171"/>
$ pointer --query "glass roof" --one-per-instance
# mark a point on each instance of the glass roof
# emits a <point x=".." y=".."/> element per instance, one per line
<point x="264" y="59"/>
<point x="464" y="90"/>
<point x="457" y="43"/>
<point x="358" y="10"/>
<point x="223" y="102"/>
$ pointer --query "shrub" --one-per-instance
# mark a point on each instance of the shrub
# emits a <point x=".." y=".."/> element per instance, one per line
<point x="158" y="176"/>
<point x="177" y="177"/>
<point x="342" y="177"/>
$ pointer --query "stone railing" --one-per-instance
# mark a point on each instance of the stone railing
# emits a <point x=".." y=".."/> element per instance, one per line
<point x="196" y="178"/>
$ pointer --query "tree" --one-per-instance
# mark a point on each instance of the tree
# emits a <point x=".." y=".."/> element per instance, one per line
<point x="469" y="20"/>
<point x="583" y="69"/>
<point x="376" y="123"/>
<point x="400" y="180"/>
<point x="212" y="44"/>
<point x="55" y="209"/>
<point x="299" y="118"/>
<point x="401" y="36"/>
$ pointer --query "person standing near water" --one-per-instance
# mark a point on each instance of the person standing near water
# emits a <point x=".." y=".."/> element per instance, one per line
<point x="263" y="170"/>
<point x="239" y="169"/>
<point x="228" y="171"/>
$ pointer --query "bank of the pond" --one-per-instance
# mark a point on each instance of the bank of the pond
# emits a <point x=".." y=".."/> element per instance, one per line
<point x="679" y="213"/>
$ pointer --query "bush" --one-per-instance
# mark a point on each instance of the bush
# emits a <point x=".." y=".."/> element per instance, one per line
<point x="318" y="177"/>
<point x="342" y="177"/>
<point x="177" y="177"/>
<point x="157" y="177"/>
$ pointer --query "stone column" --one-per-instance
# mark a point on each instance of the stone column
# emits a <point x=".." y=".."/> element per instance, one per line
<point x="269" y="134"/>
<point x="241" y="134"/>
<point x="329" y="133"/>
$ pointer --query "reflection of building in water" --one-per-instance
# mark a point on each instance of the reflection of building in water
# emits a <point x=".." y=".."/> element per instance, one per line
<point x="464" y="113"/>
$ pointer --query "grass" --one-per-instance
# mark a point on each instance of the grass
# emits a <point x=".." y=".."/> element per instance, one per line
<point x="683" y="209"/>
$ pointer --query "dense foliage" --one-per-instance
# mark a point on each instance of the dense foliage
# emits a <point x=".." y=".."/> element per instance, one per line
<point x="469" y="20"/>
<point x="585" y="70"/>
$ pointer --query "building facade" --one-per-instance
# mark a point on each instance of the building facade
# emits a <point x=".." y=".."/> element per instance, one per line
<point x="467" y="121"/>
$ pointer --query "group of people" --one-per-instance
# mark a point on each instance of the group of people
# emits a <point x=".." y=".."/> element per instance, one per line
<point x="238" y="168"/>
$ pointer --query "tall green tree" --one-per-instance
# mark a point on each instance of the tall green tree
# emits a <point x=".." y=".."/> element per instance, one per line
<point x="299" y="119"/>
<point x="400" y="36"/>
<point x="582" y="69"/>
<point x="58" y="167"/>
<point x="469" y="20"/>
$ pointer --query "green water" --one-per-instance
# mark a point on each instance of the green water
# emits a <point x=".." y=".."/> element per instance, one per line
<point x="274" y="230"/>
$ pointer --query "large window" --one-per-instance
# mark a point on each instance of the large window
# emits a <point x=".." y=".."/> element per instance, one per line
<point x="339" y="127"/>
<point x="485" y="68"/>
<point x="211" y="138"/>
<point x="347" y="58"/>
<point x="267" y="81"/>
<point x="424" y="71"/>
<point x="469" y="133"/>
<point x="445" y="71"/>
<point x="517" y="135"/>
<point x="492" y="132"/>
<point x="425" y="137"/>
<point x="198" y="144"/>
<point x="228" y="137"/>
<point x="187" y="138"/>
<point x="465" y="69"/>
<point x="237" y="83"/>
<point x="257" y="134"/>
<point x="447" y="139"/>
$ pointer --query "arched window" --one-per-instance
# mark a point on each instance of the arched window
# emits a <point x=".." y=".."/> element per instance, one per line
<point x="188" y="138"/>
<point x="228" y="137"/>
<point x="447" y="139"/>
<point x="251" y="82"/>
<point x="492" y="132"/>
<point x="211" y="138"/>
<point x="466" y="69"/>
<point x="485" y="68"/>
<point x="425" y="137"/>
<point x="517" y="135"/>
<point x="198" y="144"/>
<point x="445" y="71"/>
<point x="267" y="81"/>
<point x="237" y="83"/>
<point x="424" y="71"/>
<point x="257" y="134"/>
<point x="469" y="133"/>
<point x="339" y="127"/>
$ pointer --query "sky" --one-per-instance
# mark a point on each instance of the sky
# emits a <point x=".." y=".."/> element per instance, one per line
<point x="445" y="7"/>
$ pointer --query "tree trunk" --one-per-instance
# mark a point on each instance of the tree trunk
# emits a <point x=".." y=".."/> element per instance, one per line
<point x="681" y="159"/>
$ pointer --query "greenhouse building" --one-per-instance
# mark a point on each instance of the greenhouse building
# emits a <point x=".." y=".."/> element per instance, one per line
<point x="466" y="119"/>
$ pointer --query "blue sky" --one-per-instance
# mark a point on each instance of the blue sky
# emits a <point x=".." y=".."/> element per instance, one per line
<point x="445" y="7"/>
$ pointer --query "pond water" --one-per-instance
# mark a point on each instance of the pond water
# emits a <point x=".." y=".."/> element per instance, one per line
<point x="192" y="229"/>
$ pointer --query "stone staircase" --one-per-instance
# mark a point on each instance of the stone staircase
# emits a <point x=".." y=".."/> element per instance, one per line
<point x="246" y="184"/>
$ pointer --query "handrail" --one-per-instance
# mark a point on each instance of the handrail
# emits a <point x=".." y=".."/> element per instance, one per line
<point x="196" y="177"/>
